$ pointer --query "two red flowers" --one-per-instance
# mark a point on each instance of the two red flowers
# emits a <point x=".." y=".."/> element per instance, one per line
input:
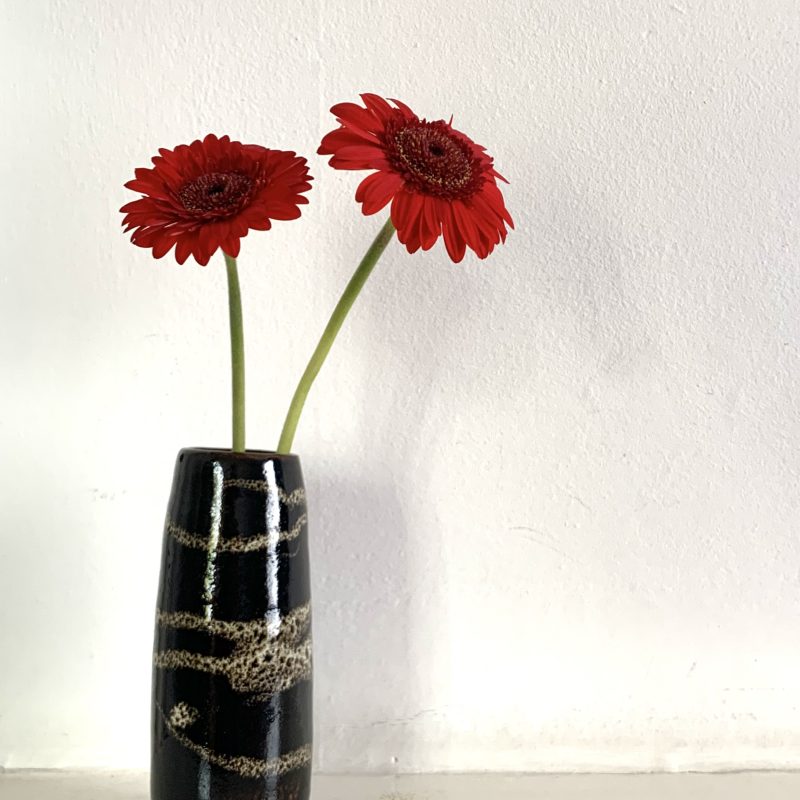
<point x="206" y="196"/>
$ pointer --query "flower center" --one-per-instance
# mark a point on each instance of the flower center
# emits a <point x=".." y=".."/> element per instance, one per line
<point x="432" y="160"/>
<point x="216" y="193"/>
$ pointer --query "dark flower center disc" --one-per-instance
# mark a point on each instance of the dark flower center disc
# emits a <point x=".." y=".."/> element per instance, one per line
<point x="220" y="193"/>
<point x="432" y="160"/>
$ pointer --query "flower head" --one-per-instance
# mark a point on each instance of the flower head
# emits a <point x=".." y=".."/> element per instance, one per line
<point x="439" y="182"/>
<point x="209" y="194"/>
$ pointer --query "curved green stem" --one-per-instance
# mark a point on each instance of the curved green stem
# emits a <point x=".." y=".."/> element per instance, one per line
<point x="328" y="337"/>
<point x="237" y="353"/>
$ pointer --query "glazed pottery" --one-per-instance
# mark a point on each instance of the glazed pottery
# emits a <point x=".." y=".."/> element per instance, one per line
<point x="232" y="660"/>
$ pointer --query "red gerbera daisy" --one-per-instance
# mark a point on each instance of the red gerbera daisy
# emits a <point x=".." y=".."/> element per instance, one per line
<point x="438" y="180"/>
<point x="208" y="194"/>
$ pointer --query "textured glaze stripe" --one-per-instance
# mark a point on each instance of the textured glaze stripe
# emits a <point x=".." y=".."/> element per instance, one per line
<point x="245" y="766"/>
<point x="291" y="499"/>
<point x="293" y="624"/>
<point x="236" y="544"/>
<point x="250" y="672"/>
<point x="260" y="663"/>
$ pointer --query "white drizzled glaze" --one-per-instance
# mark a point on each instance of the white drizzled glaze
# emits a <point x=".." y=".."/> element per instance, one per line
<point x="235" y="544"/>
<point x="243" y="765"/>
<point x="260" y="662"/>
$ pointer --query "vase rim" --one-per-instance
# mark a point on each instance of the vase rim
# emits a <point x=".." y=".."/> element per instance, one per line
<point x="247" y="455"/>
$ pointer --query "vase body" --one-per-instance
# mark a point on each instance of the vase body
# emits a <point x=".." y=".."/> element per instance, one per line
<point x="232" y="659"/>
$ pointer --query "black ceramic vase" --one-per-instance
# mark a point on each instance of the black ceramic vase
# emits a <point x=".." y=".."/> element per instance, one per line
<point x="232" y="660"/>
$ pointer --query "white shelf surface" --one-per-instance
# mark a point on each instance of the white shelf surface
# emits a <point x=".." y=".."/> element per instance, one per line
<point x="56" y="785"/>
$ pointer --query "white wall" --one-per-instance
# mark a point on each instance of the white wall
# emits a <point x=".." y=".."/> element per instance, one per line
<point x="554" y="495"/>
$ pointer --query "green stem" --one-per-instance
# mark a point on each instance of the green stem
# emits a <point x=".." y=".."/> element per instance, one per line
<point x="328" y="337"/>
<point x="237" y="353"/>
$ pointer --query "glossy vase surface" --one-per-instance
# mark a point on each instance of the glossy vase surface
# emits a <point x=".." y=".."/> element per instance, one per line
<point x="232" y="662"/>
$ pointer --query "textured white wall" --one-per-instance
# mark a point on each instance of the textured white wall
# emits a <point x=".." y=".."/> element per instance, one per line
<point x="554" y="495"/>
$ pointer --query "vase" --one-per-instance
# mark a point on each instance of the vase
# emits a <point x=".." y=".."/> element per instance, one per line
<point x="232" y="659"/>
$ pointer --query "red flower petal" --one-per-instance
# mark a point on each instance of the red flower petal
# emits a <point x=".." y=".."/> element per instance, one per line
<point x="345" y="137"/>
<point x="406" y="110"/>
<point x="430" y="225"/>
<point x="453" y="239"/>
<point x="231" y="246"/>
<point x="376" y="190"/>
<point x="402" y="209"/>
<point x="183" y="248"/>
<point x="378" y="106"/>
<point x="162" y="247"/>
<point x="361" y="154"/>
<point x="356" y="117"/>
